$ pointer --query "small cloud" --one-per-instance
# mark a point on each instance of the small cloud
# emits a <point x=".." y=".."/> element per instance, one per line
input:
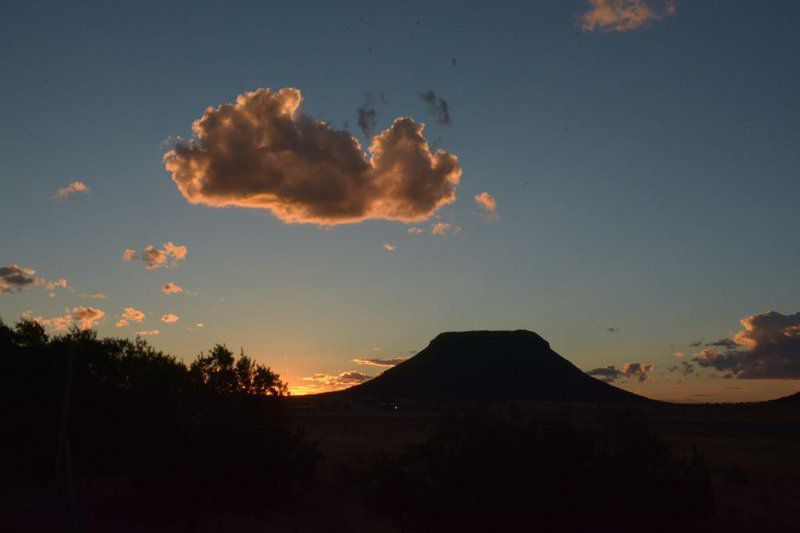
<point x="443" y="228"/>
<point x="489" y="206"/>
<point x="679" y="355"/>
<point x="328" y="383"/>
<point x="724" y="343"/>
<point x="685" y="368"/>
<point x="438" y="107"/>
<point x="389" y="247"/>
<point x="368" y="113"/>
<point x="612" y="329"/>
<point x="131" y="314"/>
<point x="609" y="373"/>
<point x="170" y="318"/>
<point x="73" y="188"/>
<point x="625" y="15"/>
<point x="153" y="258"/>
<point x="380" y="362"/>
<point x="171" y="288"/>
<point x="121" y="323"/>
<point x="14" y="278"/>
<point x="695" y="344"/>
<point x="94" y="295"/>
<point x="414" y="230"/>
<point x="83" y="317"/>
<point x="146" y="332"/>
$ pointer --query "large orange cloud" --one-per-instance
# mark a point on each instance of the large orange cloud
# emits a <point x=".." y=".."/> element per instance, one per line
<point x="625" y="15"/>
<point x="263" y="152"/>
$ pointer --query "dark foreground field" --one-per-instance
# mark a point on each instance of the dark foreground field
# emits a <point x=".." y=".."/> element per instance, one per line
<point x="113" y="435"/>
<point x="751" y="454"/>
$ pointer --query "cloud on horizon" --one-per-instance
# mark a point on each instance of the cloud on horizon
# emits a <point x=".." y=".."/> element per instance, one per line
<point x="767" y="348"/>
<point x="625" y="15"/>
<point x="610" y="373"/>
<point x="262" y="152"/>
<point x="153" y="258"/>
<point x="394" y="361"/>
<point x="329" y="383"/>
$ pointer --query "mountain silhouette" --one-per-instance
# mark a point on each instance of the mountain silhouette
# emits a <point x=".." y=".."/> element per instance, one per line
<point x="488" y="366"/>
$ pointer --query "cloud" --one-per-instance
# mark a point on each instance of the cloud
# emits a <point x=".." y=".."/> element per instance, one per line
<point x="73" y="188"/>
<point x="695" y="344"/>
<point x="84" y="317"/>
<point x="609" y="373"/>
<point x="14" y="278"/>
<point x="327" y="383"/>
<point x="51" y="286"/>
<point x="153" y="258"/>
<point x="262" y="152"/>
<point x="368" y="113"/>
<point x="389" y="247"/>
<point x="95" y="295"/>
<point x="146" y="332"/>
<point x="171" y="288"/>
<point x="724" y="343"/>
<point x="612" y="329"/>
<point x="170" y="318"/>
<point x="685" y="368"/>
<point x="130" y="314"/>
<point x="443" y="228"/>
<point x="414" y="230"/>
<point x="679" y="354"/>
<point x="489" y="206"/>
<point x="380" y="362"/>
<point x="625" y="15"/>
<point x="438" y="107"/>
<point x="770" y="348"/>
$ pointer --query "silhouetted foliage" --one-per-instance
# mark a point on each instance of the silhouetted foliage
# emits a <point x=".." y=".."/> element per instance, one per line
<point x="481" y="471"/>
<point x="149" y="438"/>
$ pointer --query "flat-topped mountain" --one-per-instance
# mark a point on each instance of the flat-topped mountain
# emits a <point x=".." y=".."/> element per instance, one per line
<point x="488" y="365"/>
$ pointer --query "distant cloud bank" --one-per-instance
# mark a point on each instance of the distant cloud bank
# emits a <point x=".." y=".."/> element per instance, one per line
<point x="263" y="152"/>
<point x="610" y="373"/>
<point x="767" y="348"/>
<point x="624" y="15"/>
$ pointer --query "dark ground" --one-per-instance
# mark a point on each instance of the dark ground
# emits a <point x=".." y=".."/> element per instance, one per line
<point x="752" y="451"/>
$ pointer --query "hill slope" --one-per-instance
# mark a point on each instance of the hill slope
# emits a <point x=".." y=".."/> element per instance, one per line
<point x="488" y="365"/>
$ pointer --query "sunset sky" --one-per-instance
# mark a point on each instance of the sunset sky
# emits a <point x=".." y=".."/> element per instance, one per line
<point x="619" y="176"/>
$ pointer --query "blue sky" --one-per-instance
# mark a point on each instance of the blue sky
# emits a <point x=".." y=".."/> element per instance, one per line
<point x="646" y="180"/>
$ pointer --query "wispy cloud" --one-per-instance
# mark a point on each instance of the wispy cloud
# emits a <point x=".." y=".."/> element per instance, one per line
<point x="638" y="371"/>
<point x="75" y="187"/>
<point x="489" y="206"/>
<point x="389" y="247"/>
<point x="443" y="228"/>
<point x="328" y="383"/>
<point x="624" y="15"/>
<point x="385" y="362"/>
<point x="437" y="106"/>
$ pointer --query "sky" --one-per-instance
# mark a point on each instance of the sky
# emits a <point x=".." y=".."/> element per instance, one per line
<point x="619" y="176"/>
